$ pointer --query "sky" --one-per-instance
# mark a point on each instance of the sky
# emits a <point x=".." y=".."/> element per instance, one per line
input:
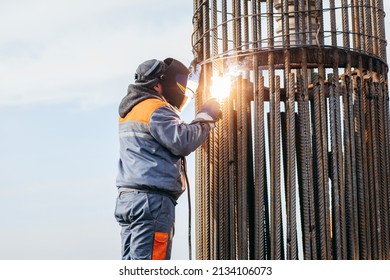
<point x="64" y="67"/>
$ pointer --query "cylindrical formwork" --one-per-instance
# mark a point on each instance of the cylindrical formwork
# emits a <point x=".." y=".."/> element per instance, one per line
<point x="298" y="166"/>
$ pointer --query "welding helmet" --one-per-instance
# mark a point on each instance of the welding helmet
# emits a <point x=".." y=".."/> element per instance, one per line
<point x="174" y="83"/>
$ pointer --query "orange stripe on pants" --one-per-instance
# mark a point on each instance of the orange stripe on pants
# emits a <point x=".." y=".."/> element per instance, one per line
<point x="160" y="246"/>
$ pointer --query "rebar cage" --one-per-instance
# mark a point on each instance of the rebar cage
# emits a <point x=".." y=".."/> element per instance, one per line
<point x="297" y="168"/>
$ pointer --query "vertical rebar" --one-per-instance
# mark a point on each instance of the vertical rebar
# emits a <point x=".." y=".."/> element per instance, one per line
<point x="359" y="136"/>
<point x="232" y="139"/>
<point x="383" y="167"/>
<point x="242" y="170"/>
<point x="387" y="158"/>
<point x="260" y="174"/>
<point x="279" y="254"/>
<point x="207" y="239"/>
<point x="292" y="244"/>
<point x="324" y="128"/>
<point x="319" y="172"/>
<point x="199" y="154"/>
<point x="292" y="241"/>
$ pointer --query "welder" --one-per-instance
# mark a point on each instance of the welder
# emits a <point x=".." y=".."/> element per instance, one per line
<point x="153" y="143"/>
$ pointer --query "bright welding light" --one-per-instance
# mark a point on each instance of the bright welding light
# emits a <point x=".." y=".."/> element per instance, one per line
<point x="220" y="86"/>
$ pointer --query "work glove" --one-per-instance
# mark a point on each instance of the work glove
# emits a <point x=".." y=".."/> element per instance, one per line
<point x="210" y="113"/>
<point x="212" y="108"/>
<point x="193" y="80"/>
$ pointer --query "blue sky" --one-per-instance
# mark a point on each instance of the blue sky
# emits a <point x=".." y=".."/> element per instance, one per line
<point x="65" y="65"/>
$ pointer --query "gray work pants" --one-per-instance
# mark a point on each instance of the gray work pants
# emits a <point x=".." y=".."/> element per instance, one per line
<point x="147" y="225"/>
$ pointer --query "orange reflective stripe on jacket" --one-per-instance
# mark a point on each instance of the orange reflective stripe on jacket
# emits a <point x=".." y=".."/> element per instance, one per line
<point x="160" y="245"/>
<point x="143" y="110"/>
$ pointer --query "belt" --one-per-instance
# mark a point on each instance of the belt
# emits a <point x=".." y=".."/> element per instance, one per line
<point x="127" y="190"/>
<point x="145" y="190"/>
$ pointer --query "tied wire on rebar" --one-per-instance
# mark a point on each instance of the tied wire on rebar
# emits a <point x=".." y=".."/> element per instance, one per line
<point x="298" y="166"/>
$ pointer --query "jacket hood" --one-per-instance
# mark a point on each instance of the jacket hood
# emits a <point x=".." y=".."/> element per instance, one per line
<point x="135" y="94"/>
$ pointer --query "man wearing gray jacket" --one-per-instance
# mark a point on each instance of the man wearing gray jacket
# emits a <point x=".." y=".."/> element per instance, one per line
<point x="153" y="142"/>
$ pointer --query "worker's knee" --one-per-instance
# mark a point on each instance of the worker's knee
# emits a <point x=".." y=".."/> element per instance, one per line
<point x="163" y="213"/>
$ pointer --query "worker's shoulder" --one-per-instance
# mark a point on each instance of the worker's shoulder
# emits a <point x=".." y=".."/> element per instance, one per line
<point x="144" y="110"/>
<point x="151" y="104"/>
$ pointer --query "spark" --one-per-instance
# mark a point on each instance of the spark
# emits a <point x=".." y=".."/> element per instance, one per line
<point x="220" y="86"/>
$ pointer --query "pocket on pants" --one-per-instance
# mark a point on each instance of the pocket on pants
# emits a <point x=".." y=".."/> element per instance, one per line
<point x="160" y="245"/>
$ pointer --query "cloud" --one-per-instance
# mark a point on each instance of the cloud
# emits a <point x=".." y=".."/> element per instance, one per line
<point x="61" y="51"/>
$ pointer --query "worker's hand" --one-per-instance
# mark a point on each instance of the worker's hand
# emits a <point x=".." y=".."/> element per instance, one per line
<point x="193" y="80"/>
<point x="212" y="108"/>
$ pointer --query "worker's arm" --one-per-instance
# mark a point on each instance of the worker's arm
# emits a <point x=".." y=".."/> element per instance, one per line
<point x="174" y="134"/>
